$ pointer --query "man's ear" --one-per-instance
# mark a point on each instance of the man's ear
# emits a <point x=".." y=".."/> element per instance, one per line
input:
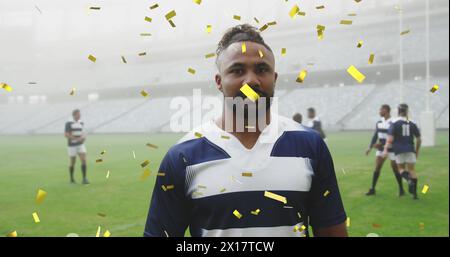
<point x="218" y="79"/>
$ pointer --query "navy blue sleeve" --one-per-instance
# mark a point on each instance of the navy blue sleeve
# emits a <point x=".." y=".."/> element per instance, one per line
<point x="391" y="129"/>
<point x="325" y="209"/>
<point x="67" y="127"/>
<point x="415" y="130"/>
<point x="169" y="210"/>
<point x="374" y="137"/>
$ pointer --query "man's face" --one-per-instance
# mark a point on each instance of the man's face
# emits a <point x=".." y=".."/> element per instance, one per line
<point x="311" y="114"/>
<point x="76" y="116"/>
<point x="382" y="112"/>
<point x="237" y="68"/>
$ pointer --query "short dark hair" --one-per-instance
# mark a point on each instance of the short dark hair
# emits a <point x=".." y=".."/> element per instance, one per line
<point x="75" y="111"/>
<point x="403" y="108"/>
<point x="297" y="117"/>
<point x="310" y="109"/>
<point x="240" y="33"/>
<point x="386" y="107"/>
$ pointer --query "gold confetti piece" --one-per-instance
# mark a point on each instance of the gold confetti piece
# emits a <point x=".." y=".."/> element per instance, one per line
<point x="172" y="24"/>
<point x="161" y="174"/>
<point x="225" y="137"/>
<point x="170" y="187"/>
<point x="142" y="54"/>
<point x="40" y="196"/>
<point x="237" y="214"/>
<point x="404" y="32"/>
<point x="167" y="235"/>
<point x="264" y="27"/>
<point x="288" y="207"/>
<point x="421" y="225"/>
<point x="425" y="189"/>
<point x="196" y="193"/>
<point x="103" y="152"/>
<point x="237" y="17"/>
<point x="198" y="2"/>
<point x="347" y="222"/>
<point x="275" y="197"/>
<point x="299" y="216"/>
<point x="272" y="23"/>
<point x="198" y="135"/>
<point x="249" y="92"/>
<point x="283" y="51"/>
<point x="208" y="28"/>
<point x="247" y="174"/>
<point x="99" y="160"/>
<point x="244" y="47"/>
<point x="201" y="186"/>
<point x="94" y="8"/>
<point x="144" y="93"/>
<point x="134" y="155"/>
<point x="145" y="163"/>
<point x="92" y="58"/>
<point x="154" y="6"/>
<point x="256" y="20"/>
<point x="107" y="174"/>
<point x="123" y="59"/>
<point x="357" y="1"/>
<point x="434" y="88"/>
<point x="320" y="34"/>
<point x="148" y="19"/>
<point x="351" y="14"/>
<point x="320" y="27"/>
<point x="192" y="71"/>
<point x="101" y="214"/>
<point x="12" y="234"/>
<point x="326" y="193"/>
<point x="152" y="145"/>
<point x="261" y="55"/>
<point x="164" y="188"/>
<point x="293" y="12"/>
<point x="296" y="228"/>
<point x="356" y="74"/>
<point x="223" y="190"/>
<point x="107" y="234"/>
<point x="360" y="43"/>
<point x="302" y="13"/>
<point x="301" y="76"/>
<point x="145" y="34"/>
<point x="170" y="15"/>
<point x="98" y="231"/>
<point x="302" y="228"/>
<point x="320" y="7"/>
<point x="210" y="55"/>
<point x="372" y="56"/>
<point x="255" y="212"/>
<point x="36" y="217"/>
<point x="145" y="174"/>
<point x="346" y="22"/>
<point x="72" y="92"/>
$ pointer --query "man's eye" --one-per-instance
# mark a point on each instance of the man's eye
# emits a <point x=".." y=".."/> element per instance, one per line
<point x="237" y="71"/>
<point x="263" y="70"/>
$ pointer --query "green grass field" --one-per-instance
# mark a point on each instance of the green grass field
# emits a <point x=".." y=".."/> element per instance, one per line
<point x="32" y="162"/>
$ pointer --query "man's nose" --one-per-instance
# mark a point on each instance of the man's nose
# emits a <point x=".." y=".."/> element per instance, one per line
<point x="252" y="80"/>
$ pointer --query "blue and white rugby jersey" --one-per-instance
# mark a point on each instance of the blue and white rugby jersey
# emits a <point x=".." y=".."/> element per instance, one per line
<point x="201" y="183"/>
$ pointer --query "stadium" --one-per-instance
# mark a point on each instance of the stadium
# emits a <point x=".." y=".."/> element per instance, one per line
<point x="126" y="95"/>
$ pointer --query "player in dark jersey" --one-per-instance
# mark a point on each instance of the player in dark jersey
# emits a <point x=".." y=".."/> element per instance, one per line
<point x="75" y="140"/>
<point x="401" y="136"/>
<point x="378" y="141"/>
<point x="315" y="123"/>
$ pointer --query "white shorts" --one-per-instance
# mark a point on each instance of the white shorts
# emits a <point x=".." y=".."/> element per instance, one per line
<point x="390" y="155"/>
<point x="74" y="150"/>
<point x="402" y="158"/>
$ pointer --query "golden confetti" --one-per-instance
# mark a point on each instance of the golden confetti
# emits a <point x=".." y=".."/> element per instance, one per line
<point x="225" y="137"/>
<point x="72" y="92"/>
<point x="40" y="196"/>
<point x="261" y="55"/>
<point x="293" y="12"/>
<point x="167" y="235"/>
<point x="170" y="15"/>
<point x="264" y="27"/>
<point x="256" y="20"/>
<point x="372" y="56"/>
<point x="154" y="6"/>
<point x="283" y="51"/>
<point x="94" y="8"/>
<point x="144" y="93"/>
<point x="98" y="231"/>
<point x="351" y="14"/>
<point x="142" y="54"/>
<point x="237" y="17"/>
<point x="244" y="47"/>
<point x="360" y="43"/>
<point x="296" y="228"/>
<point x="201" y="186"/>
<point x="36" y="217"/>
<point x="346" y="22"/>
<point x="152" y="145"/>
<point x="6" y="87"/>
<point x="197" y="135"/>
<point x="425" y="189"/>
<point x="198" y="2"/>
<point x="148" y="19"/>
<point x="247" y="174"/>
<point x="249" y="92"/>
<point x="347" y="222"/>
<point x="210" y="55"/>
<point x="272" y="23"/>
<point x="434" y="88"/>
<point x="107" y="174"/>
<point x="299" y="216"/>
<point x="326" y="193"/>
<point x="103" y="152"/>
<point x="302" y="13"/>
<point x="208" y="28"/>
<point x="164" y="188"/>
<point x="123" y="59"/>
<point x="421" y="225"/>
<point x="161" y="174"/>
<point x="255" y="212"/>
<point x="107" y="234"/>
<point x="301" y="76"/>
<point x="223" y="190"/>
<point x="92" y="58"/>
<point x="172" y="24"/>
<point x="134" y="155"/>
<point x="145" y="163"/>
<point x="357" y="1"/>
<point x="237" y="214"/>
<point x="356" y="74"/>
<point x="192" y="71"/>
<point x="145" y="34"/>
<point x="170" y="187"/>
<point x="275" y="197"/>
<point x="12" y="234"/>
<point x="99" y="160"/>
<point x="404" y="32"/>
<point x="320" y="30"/>
<point x="145" y="174"/>
<point x="320" y="7"/>
<point x="101" y="214"/>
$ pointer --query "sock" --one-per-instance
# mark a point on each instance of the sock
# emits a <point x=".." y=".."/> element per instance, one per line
<point x="398" y="177"/>
<point x="71" y="172"/>
<point x="414" y="182"/>
<point x="376" y="174"/>
<point x="83" y="169"/>
<point x="405" y="175"/>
